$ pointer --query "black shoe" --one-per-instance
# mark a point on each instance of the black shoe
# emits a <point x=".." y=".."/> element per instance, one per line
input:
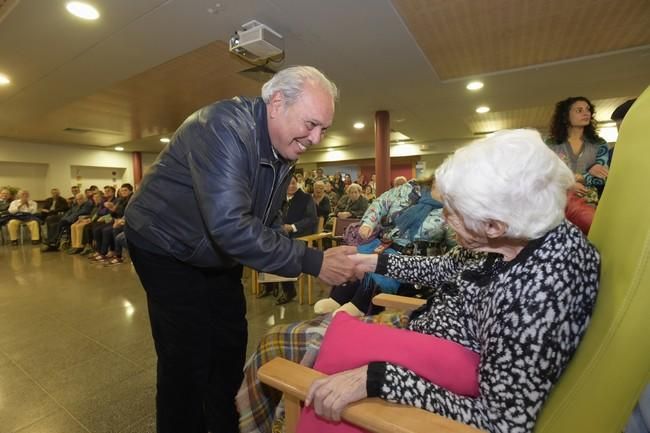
<point x="14" y="243"/>
<point x="49" y="249"/>
<point x="36" y="242"/>
<point x="286" y="297"/>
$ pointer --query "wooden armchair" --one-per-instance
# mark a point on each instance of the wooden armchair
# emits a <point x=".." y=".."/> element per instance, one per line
<point x="315" y="240"/>
<point x="603" y="382"/>
<point x="338" y="227"/>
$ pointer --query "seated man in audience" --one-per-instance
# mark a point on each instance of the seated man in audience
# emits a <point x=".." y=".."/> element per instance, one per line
<point x="109" y="193"/>
<point x="24" y="211"/>
<point x="54" y="205"/>
<point x="5" y="201"/>
<point x="298" y="219"/>
<point x="331" y="194"/>
<point x="517" y="293"/>
<point x="56" y="226"/>
<point x="74" y="190"/>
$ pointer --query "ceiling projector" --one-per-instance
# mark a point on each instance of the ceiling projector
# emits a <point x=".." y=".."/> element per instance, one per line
<point x="256" y="41"/>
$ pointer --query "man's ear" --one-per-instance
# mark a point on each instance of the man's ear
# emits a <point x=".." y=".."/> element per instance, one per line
<point x="495" y="229"/>
<point x="276" y="104"/>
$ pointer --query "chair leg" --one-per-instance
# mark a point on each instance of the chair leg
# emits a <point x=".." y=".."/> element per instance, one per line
<point x="255" y="284"/>
<point x="300" y="289"/>
<point x="310" y="286"/>
<point x="291" y="413"/>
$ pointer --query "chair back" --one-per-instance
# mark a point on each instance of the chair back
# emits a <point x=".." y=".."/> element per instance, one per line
<point x="340" y="224"/>
<point x="612" y="365"/>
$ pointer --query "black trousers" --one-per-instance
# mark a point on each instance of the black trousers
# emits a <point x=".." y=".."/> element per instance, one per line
<point x="198" y="323"/>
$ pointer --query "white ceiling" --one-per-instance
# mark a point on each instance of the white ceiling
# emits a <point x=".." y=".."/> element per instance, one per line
<point x="365" y="46"/>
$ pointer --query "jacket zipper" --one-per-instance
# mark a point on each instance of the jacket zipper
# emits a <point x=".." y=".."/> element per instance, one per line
<point x="273" y="192"/>
<point x="268" y="204"/>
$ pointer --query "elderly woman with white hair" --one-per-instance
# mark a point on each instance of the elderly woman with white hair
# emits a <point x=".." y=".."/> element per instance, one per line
<point x="353" y="204"/>
<point x="518" y="291"/>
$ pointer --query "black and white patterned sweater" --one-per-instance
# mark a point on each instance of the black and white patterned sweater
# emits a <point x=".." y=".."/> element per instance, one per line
<point x="524" y="317"/>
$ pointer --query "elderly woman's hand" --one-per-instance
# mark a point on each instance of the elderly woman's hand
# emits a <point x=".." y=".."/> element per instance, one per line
<point x="599" y="171"/>
<point x="579" y="189"/>
<point x="364" y="263"/>
<point x="344" y="214"/>
<point x="330" y="395"/>
<point x="365" y="231"/>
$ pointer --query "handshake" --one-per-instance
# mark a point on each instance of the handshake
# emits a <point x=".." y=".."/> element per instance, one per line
<point x="341" y="264"/>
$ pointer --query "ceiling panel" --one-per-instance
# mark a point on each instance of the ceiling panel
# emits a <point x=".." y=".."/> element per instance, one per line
<point x="533" y="117"/>
<point x="151" y="103"/>
<point x="467" y="37"/>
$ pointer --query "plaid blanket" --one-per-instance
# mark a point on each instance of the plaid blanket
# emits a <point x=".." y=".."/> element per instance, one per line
<point x="298" y="342"/>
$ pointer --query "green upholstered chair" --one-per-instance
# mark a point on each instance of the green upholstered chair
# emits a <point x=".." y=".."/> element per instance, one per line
<point x="612" y="365"/>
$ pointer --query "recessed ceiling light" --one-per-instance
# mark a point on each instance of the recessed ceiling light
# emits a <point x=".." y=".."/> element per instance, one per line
<point x="119" y="148"/>
<point x="82" y="10"/>
<point x="474" y="85"/>
<point x="359" y="125"/>
<point x="4" y="80"/>
<point x="482" y="109"/>
<point x="165" y="140"/>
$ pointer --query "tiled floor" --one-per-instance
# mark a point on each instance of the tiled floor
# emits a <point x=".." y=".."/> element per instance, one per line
<point x="76" y="354"/>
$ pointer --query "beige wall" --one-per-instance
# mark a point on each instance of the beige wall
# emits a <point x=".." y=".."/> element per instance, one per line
<point x="46" y="166"/>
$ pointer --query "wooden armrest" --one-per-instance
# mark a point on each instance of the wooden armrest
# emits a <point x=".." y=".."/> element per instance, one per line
<point x="372" y="414"/>
<point x="398" y="302"/>
<point x="315" y="237"/>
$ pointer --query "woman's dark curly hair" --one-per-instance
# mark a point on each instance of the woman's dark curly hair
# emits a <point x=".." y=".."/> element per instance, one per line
<point x="560" y="121"/>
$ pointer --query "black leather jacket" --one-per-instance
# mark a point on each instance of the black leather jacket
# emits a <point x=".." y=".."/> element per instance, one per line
<point x="214" y="192"/>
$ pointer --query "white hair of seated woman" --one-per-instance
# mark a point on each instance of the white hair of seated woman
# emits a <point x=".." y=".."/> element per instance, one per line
<point x="512" y="177"/>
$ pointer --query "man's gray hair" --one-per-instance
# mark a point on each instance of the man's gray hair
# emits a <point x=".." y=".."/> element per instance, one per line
<point x="291" y="82"/>
<point x="512" y="177"/>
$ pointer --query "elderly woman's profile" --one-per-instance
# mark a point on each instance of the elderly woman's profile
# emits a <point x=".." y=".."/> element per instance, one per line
<point x="518" y="290"/>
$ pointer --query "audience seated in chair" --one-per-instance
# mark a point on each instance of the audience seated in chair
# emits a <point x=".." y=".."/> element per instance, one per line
<point x="353" y="204"/>
<point x="403" y="220"/>
<point x="5" y="202"/>
<point x="103" y="233"/>
<point x="74" y="190"/>
<point x="323" y="205"/>
<point x="54" y="205"/>
<point x="298" y="219"/>
<point x="58" y="225"/>
<point x="78" y="228"/>
<point x="331" y="194"/>
<point x="24" y="211"/>
<point x="518" y="290"/>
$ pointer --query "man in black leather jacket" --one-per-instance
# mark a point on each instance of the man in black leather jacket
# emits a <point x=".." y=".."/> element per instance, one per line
<point x="206" y="208"/>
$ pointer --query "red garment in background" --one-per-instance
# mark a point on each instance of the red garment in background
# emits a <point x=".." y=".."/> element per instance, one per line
<point x="579" y="212"/>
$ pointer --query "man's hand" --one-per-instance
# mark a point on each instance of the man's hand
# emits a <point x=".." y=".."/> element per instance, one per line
<point x="109" y="205"/>
<point x="337" y="267"/>
<point x="287" y="228"/>
<point x="365" y="231"/>
<point x="599" y="171"/>
<point x="330" y="395"/>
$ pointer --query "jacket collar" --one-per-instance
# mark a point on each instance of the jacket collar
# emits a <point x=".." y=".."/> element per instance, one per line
<point x="267" y="152"/>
